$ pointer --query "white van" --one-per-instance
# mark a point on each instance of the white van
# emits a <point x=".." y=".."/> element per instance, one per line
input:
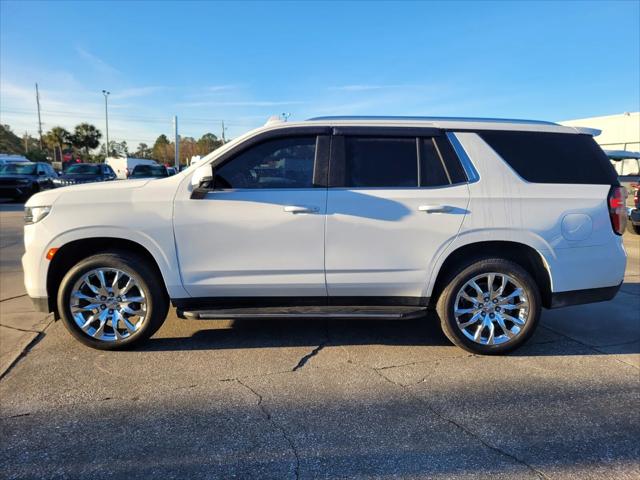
<point x="123" y="166"/>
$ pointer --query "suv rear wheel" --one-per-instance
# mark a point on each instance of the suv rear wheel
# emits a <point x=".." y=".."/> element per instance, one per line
<point x="491" y="306"/>
<point x="112" y="300"/>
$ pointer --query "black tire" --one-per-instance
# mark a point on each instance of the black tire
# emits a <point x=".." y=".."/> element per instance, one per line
<point x="633" y="228"/>
<point x="147" y="279"/>
<point x="460" y="276"/>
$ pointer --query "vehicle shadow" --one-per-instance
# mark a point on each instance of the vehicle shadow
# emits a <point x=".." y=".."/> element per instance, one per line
<point x="270" y="333"/>
<point x="551" y="337"/>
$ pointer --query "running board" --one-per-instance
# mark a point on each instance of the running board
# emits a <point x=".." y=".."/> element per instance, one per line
<point x="344" y="312"/>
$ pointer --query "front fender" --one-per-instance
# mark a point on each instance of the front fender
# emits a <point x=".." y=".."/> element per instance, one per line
<point x="164" y="255"/>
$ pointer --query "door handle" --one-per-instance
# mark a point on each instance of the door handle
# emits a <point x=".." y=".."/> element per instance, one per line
<point x="300" y="209"/>
<point x="435" y="208"/>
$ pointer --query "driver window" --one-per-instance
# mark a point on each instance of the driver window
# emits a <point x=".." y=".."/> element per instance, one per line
<point x="279" y="163"/>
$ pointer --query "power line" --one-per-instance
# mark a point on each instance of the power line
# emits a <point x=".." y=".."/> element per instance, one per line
<point x="147" y="119"/>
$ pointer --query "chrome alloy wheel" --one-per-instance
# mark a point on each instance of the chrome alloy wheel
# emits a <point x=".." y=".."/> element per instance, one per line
<point x="108" y="304"/>
<point x="491" y="309"/>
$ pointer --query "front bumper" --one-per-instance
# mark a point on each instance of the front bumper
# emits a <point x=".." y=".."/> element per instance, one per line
<point x="41" y="304"/>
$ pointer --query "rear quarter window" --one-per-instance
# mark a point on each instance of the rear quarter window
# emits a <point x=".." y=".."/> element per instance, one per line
<point x="541" y="157"/>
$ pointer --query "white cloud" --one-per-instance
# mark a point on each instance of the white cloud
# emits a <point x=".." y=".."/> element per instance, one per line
<point x="96" y="62"/>
<point x="136" y="92"/>
<point x="222" y="88"/>
<point x="368" y="87"/>
<point x="250" y="103"/>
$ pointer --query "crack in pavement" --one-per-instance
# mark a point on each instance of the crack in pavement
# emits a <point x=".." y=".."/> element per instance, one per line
<point x="40" y="335"/>
<point x="461" y="427"/>
<point x="303" y="361"/>
<point x="431" y="360"/>
<point x="13" y="298"/>
<point x="591" y="347"/>
<point x="134" y="398"/>
<point x="20" y="329"/>
<point x="270" y="419"/>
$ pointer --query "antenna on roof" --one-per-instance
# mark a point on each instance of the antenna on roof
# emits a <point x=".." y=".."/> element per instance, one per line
<point x="273" y="119"/>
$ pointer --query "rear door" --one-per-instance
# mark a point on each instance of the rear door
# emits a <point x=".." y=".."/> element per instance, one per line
<point x="396" y="199"/>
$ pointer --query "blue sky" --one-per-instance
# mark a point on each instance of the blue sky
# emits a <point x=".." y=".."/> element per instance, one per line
<point x="243" y="62"/>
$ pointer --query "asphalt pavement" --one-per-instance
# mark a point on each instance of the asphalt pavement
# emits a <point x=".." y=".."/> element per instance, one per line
<point x="316" y="399"/>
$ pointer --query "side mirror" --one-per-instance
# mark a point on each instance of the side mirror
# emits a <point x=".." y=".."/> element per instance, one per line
<point x="202" y="181"/>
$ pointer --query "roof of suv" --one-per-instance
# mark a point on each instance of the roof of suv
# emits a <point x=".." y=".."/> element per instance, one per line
<point x="449" y="123"/>
<point x="444" y="123"/>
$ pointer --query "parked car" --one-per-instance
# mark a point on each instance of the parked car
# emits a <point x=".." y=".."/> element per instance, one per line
<point x="627" y="165"/>
<point x="486" y="221"/>
<point x="149" y="171"/>
<point x="634" y="212"/>
<point x="10" y="158"/>
<point x="123" y="166"/>
<point x="20" y="180"/>
<point x="85" y="173"/>
<point x="172" y="170"/>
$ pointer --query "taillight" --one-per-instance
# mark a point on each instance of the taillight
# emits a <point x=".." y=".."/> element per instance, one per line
<point x="617" y="209"/>
<point x="635" y="198"/>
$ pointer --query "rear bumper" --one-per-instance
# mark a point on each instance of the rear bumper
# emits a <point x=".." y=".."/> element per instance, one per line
<point x="580" y="297"/>
<point x="586" y="268"/>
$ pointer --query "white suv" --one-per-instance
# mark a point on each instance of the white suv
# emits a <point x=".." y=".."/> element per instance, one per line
<point x="484" y="220"/>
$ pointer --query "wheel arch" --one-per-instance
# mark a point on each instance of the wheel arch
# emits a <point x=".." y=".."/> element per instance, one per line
<point x="74" y="251"/>
<point x="522" y="254"/>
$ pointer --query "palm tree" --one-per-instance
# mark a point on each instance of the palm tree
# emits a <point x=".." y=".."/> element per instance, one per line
<point x="56" y="139"/>
<point x="86" y="136"/>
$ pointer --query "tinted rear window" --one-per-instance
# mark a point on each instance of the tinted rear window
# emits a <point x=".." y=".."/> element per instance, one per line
<point x="432" y="172"/>
<point x="553" y="157"/>
<point x="450" y="160"/>
<point x="381" y="162"/>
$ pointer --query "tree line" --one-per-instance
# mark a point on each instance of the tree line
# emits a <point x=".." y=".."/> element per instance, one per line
<point x="83" y="142"/>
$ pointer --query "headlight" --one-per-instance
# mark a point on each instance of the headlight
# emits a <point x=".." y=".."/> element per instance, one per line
<point x="35" y="214"/>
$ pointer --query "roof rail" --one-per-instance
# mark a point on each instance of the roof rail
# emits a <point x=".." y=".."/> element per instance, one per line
<point x="427" y="119"/>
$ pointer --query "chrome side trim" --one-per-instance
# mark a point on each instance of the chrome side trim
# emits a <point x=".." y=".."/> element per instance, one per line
<point x="467" y="164"/>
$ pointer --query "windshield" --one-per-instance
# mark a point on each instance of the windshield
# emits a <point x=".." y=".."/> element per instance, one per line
<point x="149" y="171"/>
<point x="83" y="168"/>
<point x="18" y="169"/>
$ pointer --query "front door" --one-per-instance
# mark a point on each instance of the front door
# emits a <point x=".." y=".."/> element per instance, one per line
<point x="260" y="231"/>
<point x="394" y="203"/>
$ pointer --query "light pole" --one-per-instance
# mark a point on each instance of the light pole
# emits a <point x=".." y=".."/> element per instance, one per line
<point x="106" y="120"/>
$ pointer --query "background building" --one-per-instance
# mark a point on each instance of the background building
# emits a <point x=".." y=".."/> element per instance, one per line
<point x="619" y="132"/>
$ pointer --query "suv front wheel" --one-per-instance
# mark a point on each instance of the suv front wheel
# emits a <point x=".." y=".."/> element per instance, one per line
<point x="112" y="300"/>
<point x="491" y="306"/>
